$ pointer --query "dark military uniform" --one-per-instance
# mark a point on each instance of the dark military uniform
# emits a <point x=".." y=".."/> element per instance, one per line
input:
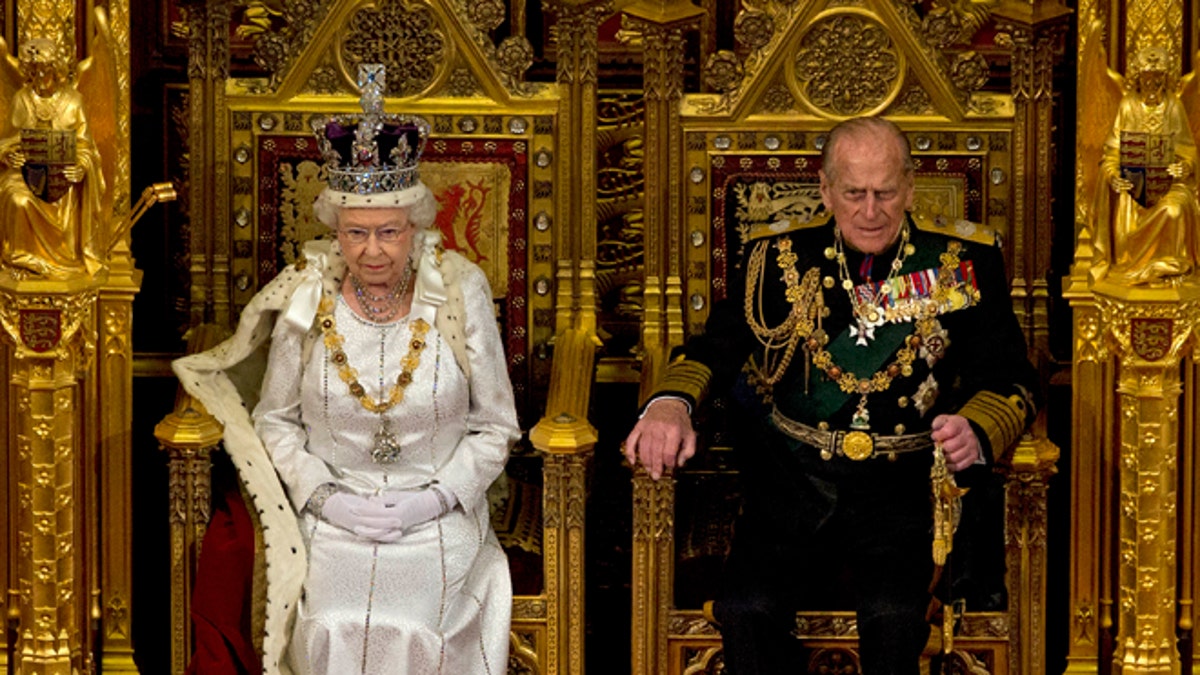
<point x="832" y="480"/>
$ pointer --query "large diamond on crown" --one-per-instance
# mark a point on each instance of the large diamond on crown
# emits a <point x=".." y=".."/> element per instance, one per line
<point x="372" y="152"/>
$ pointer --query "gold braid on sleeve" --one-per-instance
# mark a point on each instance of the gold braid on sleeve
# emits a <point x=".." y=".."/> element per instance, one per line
<point x="1001" y="418"/>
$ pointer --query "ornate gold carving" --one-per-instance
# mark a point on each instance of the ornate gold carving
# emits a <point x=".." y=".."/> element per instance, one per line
<point x="723" y="71"/>
<point x="1151" y="338"/>
<point x="522" y="653"/>
<point x="326" y="78"/>
<point x="1154" y="23"/>
<point x="704" y="660"/>
<point x="913" y="100"/>
<point x="690" y="625"/>
<point x="529" y="607"/>
<point x="462" y="83"/>
<point x="116" y="331"/>
<point x="58" y="153"/>
<point x="48" y="572"/>
<point x="301" y="184"/>
<point x="753" y="28"/>
<point x="116" y="618"/>
<point x="51" y="19"/>
<point x="486" y="15"/>
<point x="276" y="51"/>
<point x="969" y="71"/>
<point x="68" y="311"/>
<point x="406" y="37"/>
<point x="832" y="624"/>
<point x="778" y="99"/>
<point x="514" y="55"/>
<point x="848" y="65"/>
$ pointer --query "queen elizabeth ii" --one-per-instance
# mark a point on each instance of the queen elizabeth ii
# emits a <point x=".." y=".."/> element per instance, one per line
<point x="385" y="412"/>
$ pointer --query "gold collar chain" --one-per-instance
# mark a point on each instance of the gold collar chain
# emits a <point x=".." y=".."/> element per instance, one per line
<point x="334" y="342"/>
<point x="807" y="304"/>
<point x="867" y="313"/>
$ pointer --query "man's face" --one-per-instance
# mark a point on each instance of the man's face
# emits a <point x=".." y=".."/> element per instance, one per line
<point x="869" y="191"/>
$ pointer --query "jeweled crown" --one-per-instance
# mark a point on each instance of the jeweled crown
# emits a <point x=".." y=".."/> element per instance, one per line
<point x="373" y="152"/>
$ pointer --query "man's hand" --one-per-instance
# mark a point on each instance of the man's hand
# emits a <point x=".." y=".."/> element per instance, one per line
<point x="663" y="439"/>
<point x="959" y="444"/>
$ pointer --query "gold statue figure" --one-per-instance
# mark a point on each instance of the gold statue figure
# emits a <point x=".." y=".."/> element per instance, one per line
<point x="1145" y="213"/>
<point x="54" y="205"/>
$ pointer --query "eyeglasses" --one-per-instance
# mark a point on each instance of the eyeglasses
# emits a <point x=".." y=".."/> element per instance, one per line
<point x="360" y="235"/>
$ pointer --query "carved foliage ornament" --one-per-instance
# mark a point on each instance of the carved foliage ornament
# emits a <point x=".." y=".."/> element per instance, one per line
<point x="753" y="28"/>
<point x="723" y="72"/>
<point x="969" y="71"/>
<point x="486" y="15"/>
<point x="847" y="65"/>
<point x="407" y="39"/>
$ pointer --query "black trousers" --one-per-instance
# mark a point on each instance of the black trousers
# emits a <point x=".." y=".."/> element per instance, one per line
<point x="806" y="522"/>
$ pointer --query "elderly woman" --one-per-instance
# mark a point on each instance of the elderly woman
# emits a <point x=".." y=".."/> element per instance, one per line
<point x="385" y="413"/>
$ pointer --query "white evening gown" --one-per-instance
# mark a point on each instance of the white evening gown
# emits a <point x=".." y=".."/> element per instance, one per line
<point x="439" y="599"/>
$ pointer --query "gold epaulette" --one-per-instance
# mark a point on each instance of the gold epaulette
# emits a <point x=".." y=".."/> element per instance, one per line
<point x="962" y="229"/>
<point x="756" y="231"/>
<point x="1001" y="419"/>
<point x="686" y="377"/>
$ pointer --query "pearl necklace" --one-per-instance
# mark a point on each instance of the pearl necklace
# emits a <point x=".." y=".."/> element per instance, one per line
<point x="390" y="301"/>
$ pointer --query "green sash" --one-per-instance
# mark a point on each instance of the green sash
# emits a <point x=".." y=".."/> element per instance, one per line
<point x="825" y="397"/>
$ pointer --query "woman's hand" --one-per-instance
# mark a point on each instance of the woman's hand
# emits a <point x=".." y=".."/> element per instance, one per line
<point x="414" y="508"/>
<point x="362" y="516"/>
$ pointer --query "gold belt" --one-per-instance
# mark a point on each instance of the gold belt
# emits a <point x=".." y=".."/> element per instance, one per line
<point x="855" y="445"/>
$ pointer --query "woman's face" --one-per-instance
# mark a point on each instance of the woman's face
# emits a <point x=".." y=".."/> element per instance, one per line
<point x="376" y="244"/>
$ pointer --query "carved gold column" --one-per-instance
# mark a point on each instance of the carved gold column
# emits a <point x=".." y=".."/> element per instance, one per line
<point x="112" y="408"/>
<point x="1029" y="469"/>
<point x="1036" y="31"/>
<point x="566" y="439"/>
<point x="653" y="571"/>
<point x="208" y="133"/>
<point x="51" y="330"/>
<point x="189" y="435"/>
<point x="662" y="26"/>
<point x="575" y="241"/>
<point x="1092" y="394"/>
<point x="1150" y="327"/>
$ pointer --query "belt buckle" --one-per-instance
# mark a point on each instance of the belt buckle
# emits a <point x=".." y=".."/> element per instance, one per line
<point x="858" y="445"/>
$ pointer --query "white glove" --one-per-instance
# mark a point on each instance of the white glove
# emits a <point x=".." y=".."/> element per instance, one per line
<point x="362" y="516"/>
<point x="414" y="508"/>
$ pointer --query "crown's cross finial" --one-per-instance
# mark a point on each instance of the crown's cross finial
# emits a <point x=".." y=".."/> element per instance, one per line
<point x="372" y="80"/>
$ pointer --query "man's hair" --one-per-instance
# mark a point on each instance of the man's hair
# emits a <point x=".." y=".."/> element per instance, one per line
<point x="860" y="126"/>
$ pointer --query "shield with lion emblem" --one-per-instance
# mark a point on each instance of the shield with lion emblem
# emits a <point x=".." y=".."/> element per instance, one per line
<point x="48" y="152"/>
